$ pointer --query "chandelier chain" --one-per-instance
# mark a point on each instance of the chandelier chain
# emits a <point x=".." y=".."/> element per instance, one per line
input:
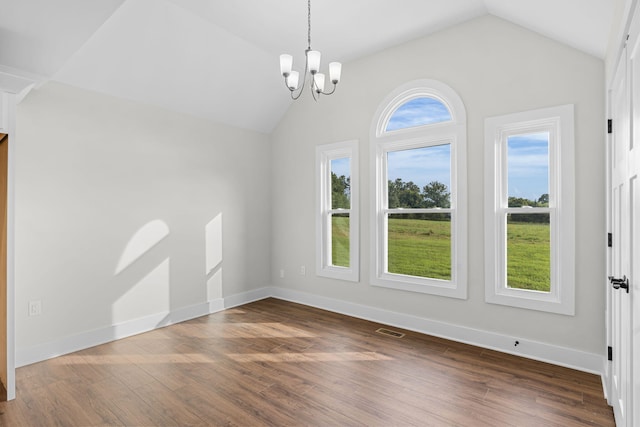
<point x="311" y="67"/>
<point x="309" y="24"/>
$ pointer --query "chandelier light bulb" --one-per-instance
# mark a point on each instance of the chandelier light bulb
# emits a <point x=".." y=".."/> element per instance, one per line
<point x="292" y="80"/>
<point x="313" y="61"/>
<point x="286" y="64"/>
<point x="318" y="79"/>
<point x="335" y="69"/>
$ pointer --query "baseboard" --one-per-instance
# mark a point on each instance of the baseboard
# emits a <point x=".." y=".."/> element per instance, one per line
<point x="216" y="305"/>
<point x="247" y="297"/>
<point x="562" y="356"/>
<point x="95" y="337"/>
<point x="606" y="378"/>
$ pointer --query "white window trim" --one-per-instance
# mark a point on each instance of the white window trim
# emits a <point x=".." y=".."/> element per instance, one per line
<point x="558" y="121"/>
<point x="453" y="132"/>
<point x="324" y="154"/>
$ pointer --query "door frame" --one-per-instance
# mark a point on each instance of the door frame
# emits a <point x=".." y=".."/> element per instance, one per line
<point x="13" y="89"/>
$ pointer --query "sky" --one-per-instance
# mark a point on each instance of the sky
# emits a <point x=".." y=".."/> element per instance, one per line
<point x="528" y="165"/>
<point x="418" y="112"/>
<point x="341" y="166"/>
<point x="421" y="165"/>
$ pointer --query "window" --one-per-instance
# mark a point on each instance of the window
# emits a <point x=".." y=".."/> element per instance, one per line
<point x="419" y="201"/>
<point x="529" y="214"/>
<point x="337" y="225"/>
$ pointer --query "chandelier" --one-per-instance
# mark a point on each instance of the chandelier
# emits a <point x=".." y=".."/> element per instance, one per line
<point x="312" y="66"/>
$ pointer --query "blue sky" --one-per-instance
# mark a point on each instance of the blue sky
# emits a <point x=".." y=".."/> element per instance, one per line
<point x="528" y="165"/>
<point x="341" y="166"/>
<point x="418" y="112"/>
<point x="421" y="165"/>
<point x="528" y="155"/>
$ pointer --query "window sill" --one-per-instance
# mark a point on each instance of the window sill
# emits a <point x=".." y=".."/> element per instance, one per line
<point x="446" y="288"/>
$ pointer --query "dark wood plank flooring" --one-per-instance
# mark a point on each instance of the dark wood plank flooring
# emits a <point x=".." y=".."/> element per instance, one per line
<point x="282" y="364"/>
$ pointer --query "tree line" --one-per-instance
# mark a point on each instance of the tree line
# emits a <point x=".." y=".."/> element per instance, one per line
<point x="519" y="202"/>
<point x="401" y="194"/>
<point x="409" y="195"/>
<point x="433" y="195"/>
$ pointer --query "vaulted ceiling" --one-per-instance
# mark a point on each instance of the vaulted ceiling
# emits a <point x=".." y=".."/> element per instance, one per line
<point x="218" y="59"/>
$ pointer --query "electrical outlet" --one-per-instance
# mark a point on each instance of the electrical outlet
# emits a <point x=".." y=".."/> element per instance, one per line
<point x="35" y="308"/>
<point x="303" y="270"/>
<point x="282" y="273"/>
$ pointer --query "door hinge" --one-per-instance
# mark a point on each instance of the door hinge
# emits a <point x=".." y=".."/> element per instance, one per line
<point x="609" y="126"/>
<point x="609" y="353"/>
<point x="610" y="240"/>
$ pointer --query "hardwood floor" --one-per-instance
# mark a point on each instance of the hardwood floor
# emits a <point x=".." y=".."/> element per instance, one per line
<point x="277" y="363"/>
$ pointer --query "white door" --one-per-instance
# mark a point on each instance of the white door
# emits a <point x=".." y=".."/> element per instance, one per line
<point x="631" y="176"/>
<point x="625" y="211"/>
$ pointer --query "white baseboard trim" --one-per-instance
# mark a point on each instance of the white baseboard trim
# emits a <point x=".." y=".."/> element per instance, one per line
<point x="606" y="379"/>
<point x="570" y="358"/>
<point x="95" y="337"/>
<point x="247" y="297"/>
<point x="89" y="339"/>
<point x="562" y="356"/>
<point x="216" y="305"/>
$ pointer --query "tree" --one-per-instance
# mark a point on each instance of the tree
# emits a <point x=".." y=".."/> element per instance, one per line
<point x="404" y="194"/>
<point x="517" y="202"/>
<point x="395" y="188"/>
<point x="340" y="191"/>
<point x="435" y="195"/>
<point x="410" y="196"/>
<point x="543" y="201"/>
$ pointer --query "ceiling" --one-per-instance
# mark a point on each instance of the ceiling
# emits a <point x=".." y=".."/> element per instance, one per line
<point x="218" y="59"/>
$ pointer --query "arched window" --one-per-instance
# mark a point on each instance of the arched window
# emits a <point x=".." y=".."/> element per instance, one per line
<point x="419" y="111"/>
<point x="419" y="201"/>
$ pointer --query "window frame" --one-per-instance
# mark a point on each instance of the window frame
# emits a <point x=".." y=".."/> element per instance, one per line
<point x="324" y="155"/>
<point x="452" y="132"/>
<point x="559" y="122"/>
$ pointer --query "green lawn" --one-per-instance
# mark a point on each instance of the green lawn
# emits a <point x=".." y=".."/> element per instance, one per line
<point x="423" y="248"/>
<point x="420" y="248"/>
<point x="528" y="256"/>
<point x="340" y="240"/>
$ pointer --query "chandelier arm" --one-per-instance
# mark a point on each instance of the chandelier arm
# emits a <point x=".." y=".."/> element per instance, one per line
<point x="292" y="91"/>
<point x="332" y="90"/>
<point x="304" y="80"/>
<point x="293" y="95"/>
<point x="314" y="89"/>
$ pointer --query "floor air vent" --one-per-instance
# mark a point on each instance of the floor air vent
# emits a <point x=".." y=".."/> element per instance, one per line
<point x="394" y="334"/>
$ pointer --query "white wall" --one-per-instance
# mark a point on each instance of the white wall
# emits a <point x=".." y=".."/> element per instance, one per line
<point x="497" y="68"/>
<point x="112" y="201"/>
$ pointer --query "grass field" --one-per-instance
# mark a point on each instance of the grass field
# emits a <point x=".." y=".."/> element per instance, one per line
<point x="528" y="256"/>
<point x="420" y="248"/>
<point x="340" y="240"/>
<point x="423" y="248"/>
